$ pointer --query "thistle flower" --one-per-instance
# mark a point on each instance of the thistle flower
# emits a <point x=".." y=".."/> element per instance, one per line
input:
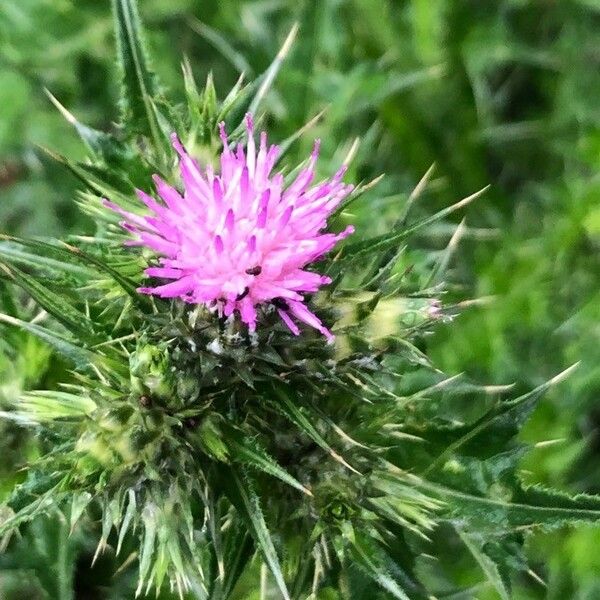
<point x="240" y="239"/>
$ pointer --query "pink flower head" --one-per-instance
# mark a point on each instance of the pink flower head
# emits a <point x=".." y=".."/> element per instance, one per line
<point x="240" y="238"/>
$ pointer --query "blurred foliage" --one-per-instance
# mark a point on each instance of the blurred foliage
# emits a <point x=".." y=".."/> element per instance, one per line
<point x="502" y="92"/>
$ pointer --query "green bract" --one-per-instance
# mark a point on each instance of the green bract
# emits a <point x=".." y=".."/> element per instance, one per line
<point x="207" y="454"/>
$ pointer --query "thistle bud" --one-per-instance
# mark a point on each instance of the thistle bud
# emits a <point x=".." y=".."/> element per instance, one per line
<point x="150" y="372"/>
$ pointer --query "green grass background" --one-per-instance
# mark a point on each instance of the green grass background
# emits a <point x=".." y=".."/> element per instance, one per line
<point x="505" y="92"/>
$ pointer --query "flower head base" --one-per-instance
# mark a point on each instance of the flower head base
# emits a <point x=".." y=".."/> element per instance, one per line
<point x="239" y="239"/>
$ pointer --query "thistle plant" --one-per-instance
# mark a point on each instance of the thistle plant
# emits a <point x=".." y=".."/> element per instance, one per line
<point x="248" y="397"/>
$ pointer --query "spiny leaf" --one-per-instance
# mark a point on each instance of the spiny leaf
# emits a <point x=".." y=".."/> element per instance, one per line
<point x="45" y="259"/>
<point x="138" y="82"/>
<point x="299" y="133"/>
<point x="486" y="563"/>
<point x="81" y="357"/>
<point x="439" y="271"/>
<point x="391" y="239"/>
<point x="253" y="455"/>
<point x="37" y="495"/>
<point x="99" y="143"/>
<point x="240" y="491"/>
<point x="58" y="306"/>
<point x="79" y="503"/>
<point x="416" y="194"/>
<point x="502" y="421"/>
<point x="128" y="286"/>
<point x="193" y="94"/>
<point x="210" y="437"/>
<point x="236" y="554"/>
<point x="103" y="181"/>
<point x="127" y="518"/>
<point x="235" y="97"/>
<point x="269" y="76"/>
<point x="149" y="519"/>
<point x="37" y="507"/>
<point x="294" y="414"/>
<point x="377" y="277"/>
<point x="48" y="405"/>
<point x="67" y="259"/>
<point x="213" y="521"/>
<point x="372" y="560"/>
<point x="522" y="508"/>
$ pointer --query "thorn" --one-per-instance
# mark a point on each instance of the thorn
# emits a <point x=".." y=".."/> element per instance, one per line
<point x="472" y="197"/>
<point x="546" y="443"/>
<point x="564" y="374"/>
<point x="312" y="121"/>
<point x="63" y="111"/>
<point x="422" y="184"/>
<point x="482" y="301"/>
<point x="100" y="548"/>
<point x="536" y="577"/>
<point x="289" y="40"/>
<point x="498" y="389"/>
<point x="371" y="183"/>
<point x="341" y="460"/>
<point x="457" y="235"/>
<point x="352" y="152"/>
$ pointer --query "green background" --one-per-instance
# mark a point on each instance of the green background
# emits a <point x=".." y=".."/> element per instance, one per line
<point x="494" y="92"/>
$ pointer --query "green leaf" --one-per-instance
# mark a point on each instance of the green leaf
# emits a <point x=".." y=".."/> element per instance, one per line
<point x="374" y="562"/>
<point x="500" y="424"/>
<point x="138" y="82"/>
<point x="46" y="259"/>
<point x="103" y="181"/>
<point x="58" y="306"/>
<point x="130" y="513"/>
<point x="66" y="259"/>
<point x="268" y="77"/>
<point x="210" y="436"/>
<point x="48" y="405"/>
<point x="389" y="240"/>
<point x="45" y="553"/>
<point x="126" y="284"/>
<point x="194" y="101"/>
<point x="28" y="504"/>
<point x="81" y="357"/>
<point x="147" y="552"/>
<point x="236" y="554"/>
<point x="521" y="508"/>
<point x="488" y="566"/>
<point x="295" y="415"/>
<point x="99" y="143"/>
<point x="252" y="454"/>
<point x="7" y="301"/>
<point x="79" y="502"/>
<point x="240" y="491"/>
